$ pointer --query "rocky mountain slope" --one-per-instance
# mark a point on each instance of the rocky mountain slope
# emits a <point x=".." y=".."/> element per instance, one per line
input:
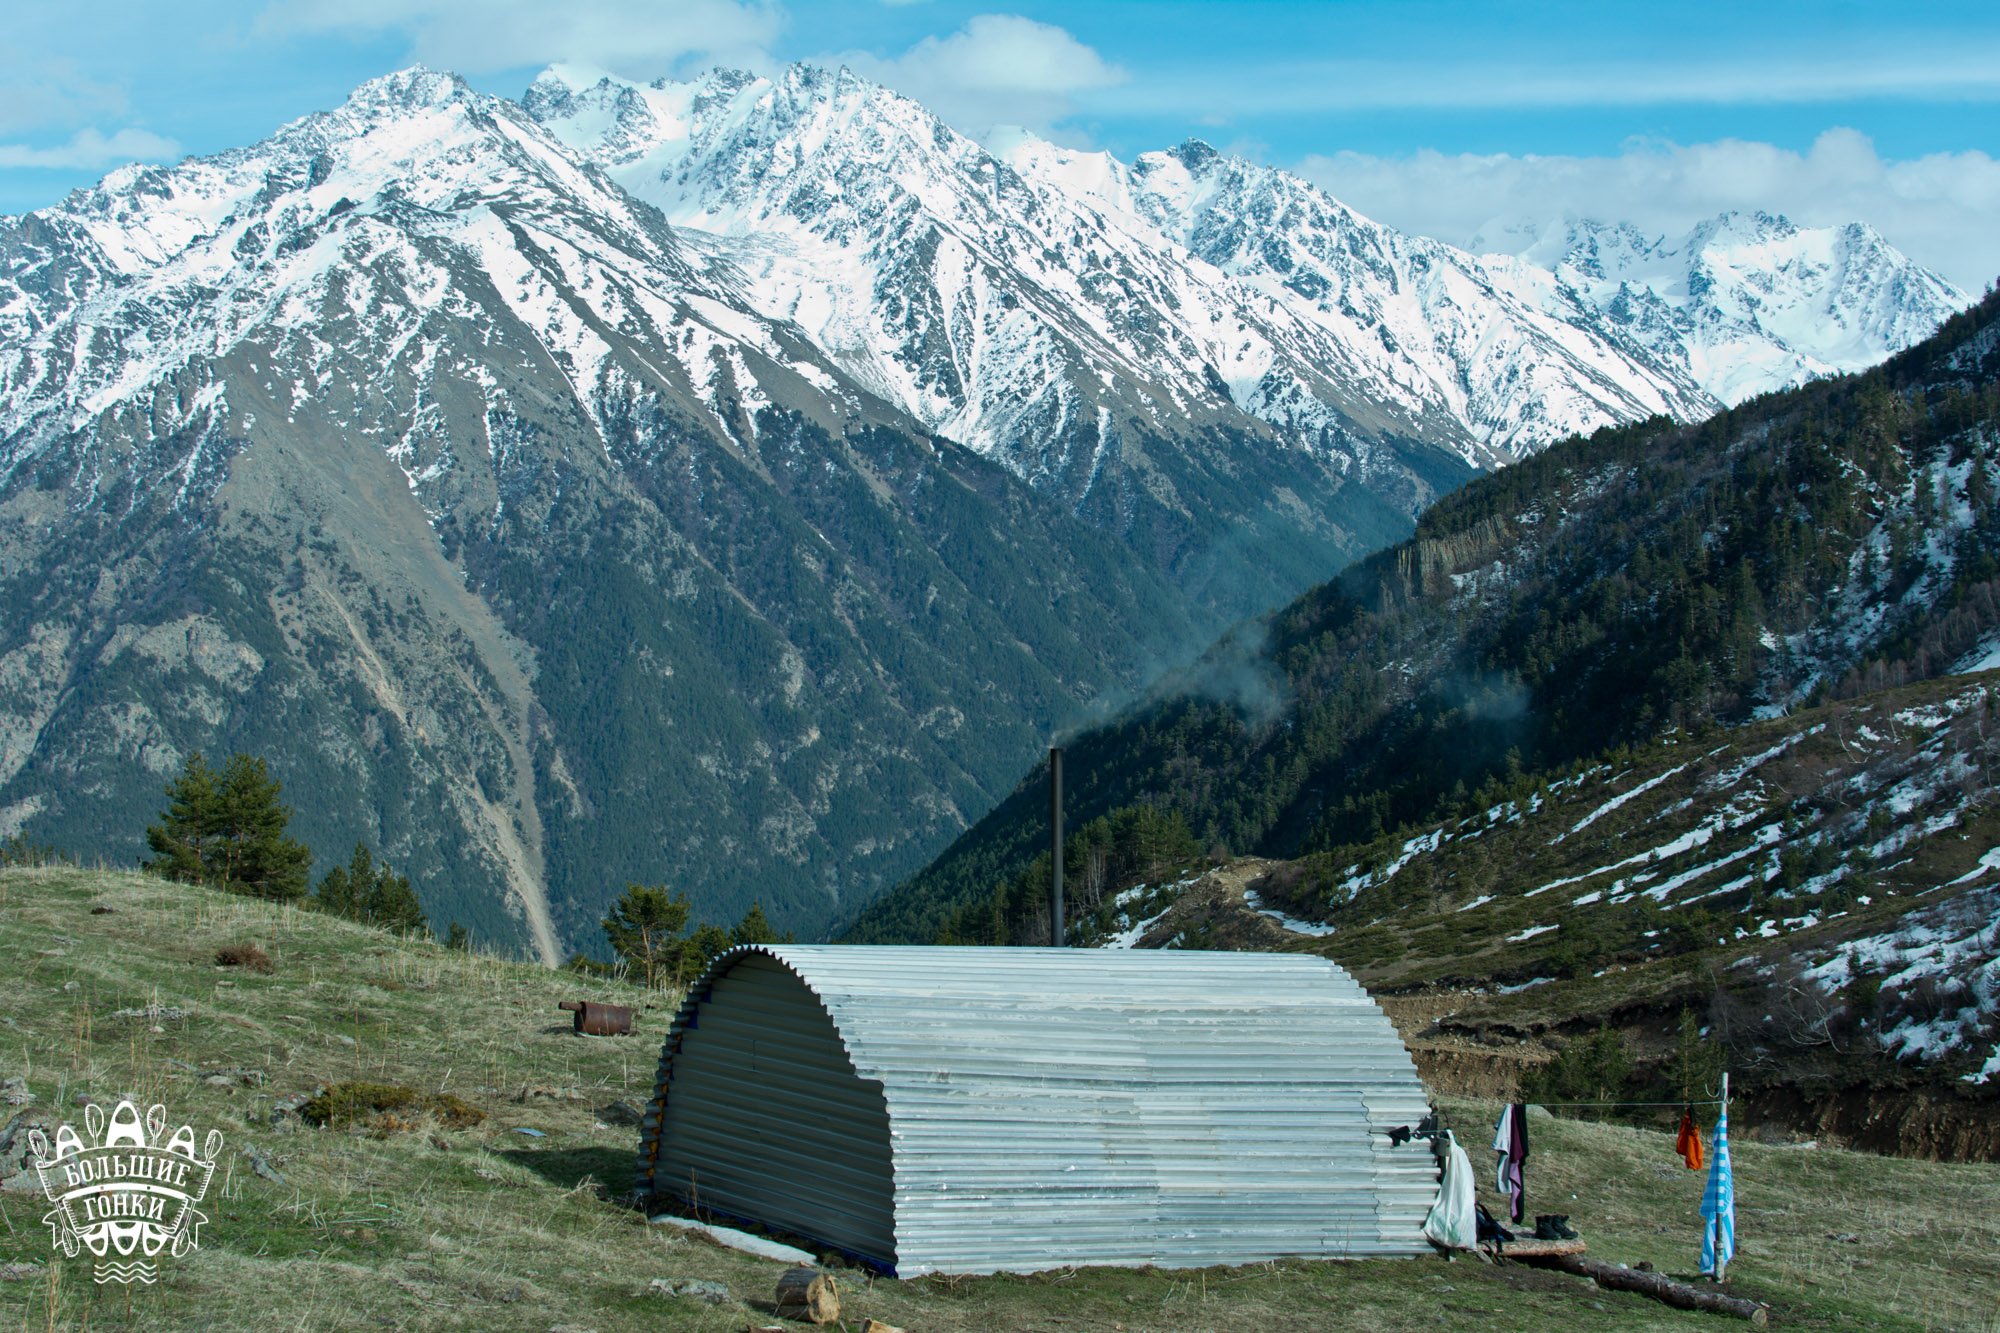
<point x="730" y="483"/>
<point x="407" y="450"/>
<point x="1650" y="581"/>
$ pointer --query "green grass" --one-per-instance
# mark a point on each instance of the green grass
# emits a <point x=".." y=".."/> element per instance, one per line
<point x="442" y="1229"/>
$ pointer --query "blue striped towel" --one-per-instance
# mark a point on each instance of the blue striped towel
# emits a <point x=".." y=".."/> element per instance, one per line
<point x="1718" y="1203"/>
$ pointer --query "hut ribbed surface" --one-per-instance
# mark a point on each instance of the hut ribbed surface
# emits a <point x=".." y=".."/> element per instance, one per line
<point x="985" y="1110"/>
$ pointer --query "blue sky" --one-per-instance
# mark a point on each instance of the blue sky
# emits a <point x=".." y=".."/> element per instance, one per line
<point x="1448" y="118"/>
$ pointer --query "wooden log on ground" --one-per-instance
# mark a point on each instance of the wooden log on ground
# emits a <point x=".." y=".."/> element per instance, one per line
<point x="1677" y="1294"/>
<point x="807" y="1293"/>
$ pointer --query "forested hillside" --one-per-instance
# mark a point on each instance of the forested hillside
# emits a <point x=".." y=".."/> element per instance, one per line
<point x="1648" y="581"/>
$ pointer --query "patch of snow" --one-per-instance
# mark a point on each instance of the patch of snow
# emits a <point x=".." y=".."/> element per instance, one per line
<point x="1620" y="799"/>
<point x="1531" y="932"/>
<point x="1989" y="861"/>
<point x="1291" y="923"/>
<point x="1729" y="777"/>
<point x="1129" y="937"/>
<point x="1955" y="942"/>
<point x="1987" y="1070"/>
<point x="1767" y="835"/>
<point x="1163" y="896"/>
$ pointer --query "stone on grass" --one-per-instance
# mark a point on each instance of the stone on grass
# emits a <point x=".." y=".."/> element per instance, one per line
<point x="261" y="1165"/>
<point x="690" y="1289"/>
<point x="15" y="1154"/>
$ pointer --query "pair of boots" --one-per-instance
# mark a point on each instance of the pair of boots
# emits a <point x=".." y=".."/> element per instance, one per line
<point x="1554" y="1226"/>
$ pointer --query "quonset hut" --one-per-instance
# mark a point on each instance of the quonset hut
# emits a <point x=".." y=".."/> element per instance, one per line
<point x="979" y="1110"/>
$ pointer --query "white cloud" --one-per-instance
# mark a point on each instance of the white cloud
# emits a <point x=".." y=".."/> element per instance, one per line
<point x="999" y="69"/>
<point x="641" y="39"/>
<point x="37" y="90"/>
<point x="1937" y="209"/>
<point x="88" y="150"/>
<point x="1967" y="70"/>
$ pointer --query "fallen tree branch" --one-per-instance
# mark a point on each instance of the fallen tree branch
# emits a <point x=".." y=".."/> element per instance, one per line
<point x="1678" y="1294"/>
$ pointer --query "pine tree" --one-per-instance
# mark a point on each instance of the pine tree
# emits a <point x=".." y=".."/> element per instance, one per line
<point x="339" y="894"/>
<point x="188" y="827"/>
<point x="645" y="927"/>
<point x="372" y="894"/>
<point x="457" y="939"/>
<point x="226" y="829"/>
<point x="394" y="905"/>
<point x="756" y="928"/>
<point x="708" y="943"/>
<point x="1696" y="1067"/>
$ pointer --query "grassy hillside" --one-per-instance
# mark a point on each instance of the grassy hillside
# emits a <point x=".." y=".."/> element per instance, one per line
<point x="429" y="1227"/>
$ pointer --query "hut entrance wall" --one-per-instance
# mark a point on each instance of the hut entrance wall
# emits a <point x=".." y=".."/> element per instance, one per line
<point x="766" y="1117"/>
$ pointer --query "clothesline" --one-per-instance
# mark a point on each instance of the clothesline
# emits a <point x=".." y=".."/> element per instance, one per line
<point x="1695" y="1101"/>
<point x="1456" y="1221"/>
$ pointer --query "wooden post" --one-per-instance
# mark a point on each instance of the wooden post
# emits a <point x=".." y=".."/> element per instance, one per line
<point x="1722" y="1263"/>
<point x="1055" y="848"/>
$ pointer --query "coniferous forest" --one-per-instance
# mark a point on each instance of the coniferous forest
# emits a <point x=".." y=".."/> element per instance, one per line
<point x="1649" y="579"/>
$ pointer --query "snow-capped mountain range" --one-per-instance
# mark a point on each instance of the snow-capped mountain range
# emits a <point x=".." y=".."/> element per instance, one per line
<point x="1746" y="302"/>
<point x="875" y="451"/>
<point x="341" y="238"/>
<point x="984" y="289"/>
<point x="833" y="240"/>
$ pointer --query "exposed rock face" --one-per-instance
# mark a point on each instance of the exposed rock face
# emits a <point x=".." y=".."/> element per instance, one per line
<point x="407" y="450"/>
<point x="547" y="540"/>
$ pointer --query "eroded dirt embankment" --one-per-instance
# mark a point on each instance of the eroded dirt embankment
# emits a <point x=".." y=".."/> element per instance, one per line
<point x="1933" y="1123"/>
<point x="1901" y="1116"/>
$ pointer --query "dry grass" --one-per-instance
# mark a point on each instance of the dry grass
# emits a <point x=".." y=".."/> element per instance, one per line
<point x="482" y="1227"/>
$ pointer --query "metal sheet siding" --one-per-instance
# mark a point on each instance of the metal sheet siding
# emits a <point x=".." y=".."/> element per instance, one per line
<point x="1049" y="1107"/>
<point x="767" y="1119"/>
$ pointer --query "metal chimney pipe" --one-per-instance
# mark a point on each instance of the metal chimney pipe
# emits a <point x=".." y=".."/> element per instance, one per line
<point x="1055" y="847"/>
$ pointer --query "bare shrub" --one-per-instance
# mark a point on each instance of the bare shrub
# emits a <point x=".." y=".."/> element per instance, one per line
<point x="244" y="955"/>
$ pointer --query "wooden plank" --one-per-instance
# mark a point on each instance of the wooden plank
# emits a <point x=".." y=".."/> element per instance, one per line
<point x="1527" y="1248"/>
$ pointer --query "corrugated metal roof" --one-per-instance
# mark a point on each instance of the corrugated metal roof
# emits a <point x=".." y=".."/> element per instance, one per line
<point x="1038" y="1108"/>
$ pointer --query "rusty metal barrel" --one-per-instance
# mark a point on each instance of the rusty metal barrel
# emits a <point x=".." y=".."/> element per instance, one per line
<point x="599" y="1020"/>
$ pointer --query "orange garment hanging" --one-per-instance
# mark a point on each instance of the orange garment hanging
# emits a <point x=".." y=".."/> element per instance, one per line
<point x="1688" y="1145"/>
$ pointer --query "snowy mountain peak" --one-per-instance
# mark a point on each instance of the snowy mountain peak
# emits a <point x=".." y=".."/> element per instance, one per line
<point x="983" y="289"/>
<point x="416" y="210"/>
<point x="1746" y="301"/>
<point x="1195" y="154"/>
<point x="410" y="89"/>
